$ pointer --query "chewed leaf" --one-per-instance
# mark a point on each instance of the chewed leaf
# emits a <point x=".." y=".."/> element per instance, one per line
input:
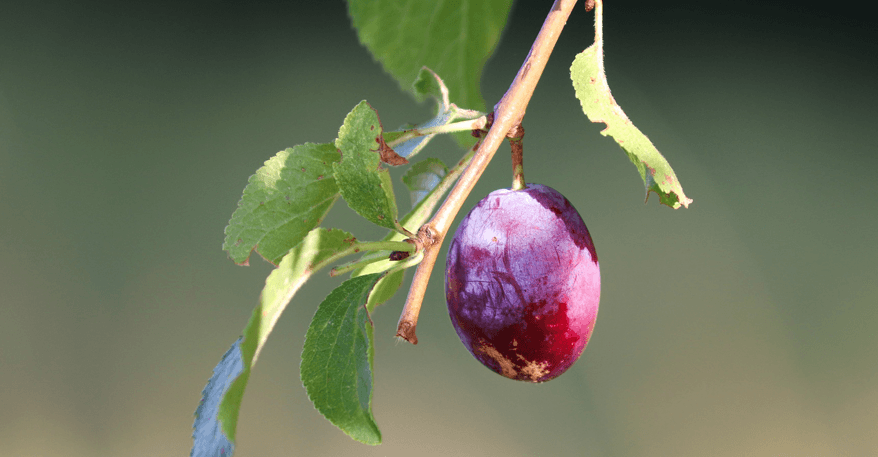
<point x="283" y="201"/>
<point x="452" y="38"/>
<point x="208" y="439"/>
<point x="219" y="409"/>
<point x="337" y="357"/>
<point x="593" y="92"/>
<point x="363" y="182"/>
<point x="423" y="177"/>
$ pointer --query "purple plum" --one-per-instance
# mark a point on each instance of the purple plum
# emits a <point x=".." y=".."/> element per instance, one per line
<point x="522" y="283"/>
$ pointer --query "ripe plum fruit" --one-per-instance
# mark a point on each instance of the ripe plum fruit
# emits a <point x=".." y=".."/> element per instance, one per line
<point x="522" y="283"/>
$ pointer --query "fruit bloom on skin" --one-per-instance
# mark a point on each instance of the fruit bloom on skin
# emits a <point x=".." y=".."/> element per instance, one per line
<point x="522" y="283"/>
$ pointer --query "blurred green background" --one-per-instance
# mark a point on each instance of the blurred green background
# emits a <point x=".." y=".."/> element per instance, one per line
<point x="741" y="326"/>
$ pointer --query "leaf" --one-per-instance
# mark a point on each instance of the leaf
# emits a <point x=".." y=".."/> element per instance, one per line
<point x="385" y="289"/>
<point x="454" y="39"/>
<point x="226" y="388"/>
<point x="283" y="201"/>
<point x="337" y="358"/>
<point x="423" y="177"/>
<point x="363" y="182"/>
<point x="593" y="92"/>
<point x="389" y="284"/>
<point x="429" y="83"/>
<point x="207" y="437"/>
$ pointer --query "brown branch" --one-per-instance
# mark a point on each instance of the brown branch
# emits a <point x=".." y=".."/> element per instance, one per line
<point x="507" y="113"/>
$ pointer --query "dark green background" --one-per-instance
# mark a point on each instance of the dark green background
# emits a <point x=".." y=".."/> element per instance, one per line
<point x="741" y="326"/>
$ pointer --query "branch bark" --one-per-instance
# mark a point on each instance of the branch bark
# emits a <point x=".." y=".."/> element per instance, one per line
<point x="507" y="114"/>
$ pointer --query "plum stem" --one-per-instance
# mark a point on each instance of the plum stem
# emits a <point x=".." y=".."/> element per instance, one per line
<point x="516" y="136"/>
<point x="507" y="113"/>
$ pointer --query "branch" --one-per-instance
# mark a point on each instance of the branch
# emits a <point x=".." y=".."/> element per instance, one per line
<point x="507" y="114"/>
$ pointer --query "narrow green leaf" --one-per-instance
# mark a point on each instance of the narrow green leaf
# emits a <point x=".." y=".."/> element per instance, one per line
<point x="363" y="182"/>
<point x="337" y="360"/>
<point x="208" y="439"/>
<point x="423" y="177"/>
<point x="454" y="39"/>
<point x="283" y="201"/>
<point x="593" y="92"/>
<point x="222" y="396"/>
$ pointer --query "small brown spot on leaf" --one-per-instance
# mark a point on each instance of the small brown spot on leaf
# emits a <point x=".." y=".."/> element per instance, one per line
<point x="303" y="169"/>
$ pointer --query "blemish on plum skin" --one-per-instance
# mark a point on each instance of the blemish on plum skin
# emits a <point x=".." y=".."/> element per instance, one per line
<point x="535" y="371"/>
<point x="507" y="368"/>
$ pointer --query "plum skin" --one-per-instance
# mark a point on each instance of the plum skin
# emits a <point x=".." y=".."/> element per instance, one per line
<point x="522" y="283"/>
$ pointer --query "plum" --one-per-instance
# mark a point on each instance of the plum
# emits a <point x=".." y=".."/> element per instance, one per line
<point x="522" y="283"/>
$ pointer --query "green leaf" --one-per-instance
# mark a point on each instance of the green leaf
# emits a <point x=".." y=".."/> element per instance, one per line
<point x="593" y="92"/>
<point x="317" y="250"/>
<point x="431" y="84"/>
<point x="385" y="289"/>
<point x="423" y="177"/>
<point x="363" y="182"/>
<point x="208" y="439"/>
<point x="389" y="284"/>
<point x="454" y="39"/>
<point x="337" y="358"/>
<point x="283" y="201"/>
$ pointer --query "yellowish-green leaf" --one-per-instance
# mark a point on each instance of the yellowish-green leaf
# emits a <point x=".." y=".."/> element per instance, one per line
<point x="593" y="92"/>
